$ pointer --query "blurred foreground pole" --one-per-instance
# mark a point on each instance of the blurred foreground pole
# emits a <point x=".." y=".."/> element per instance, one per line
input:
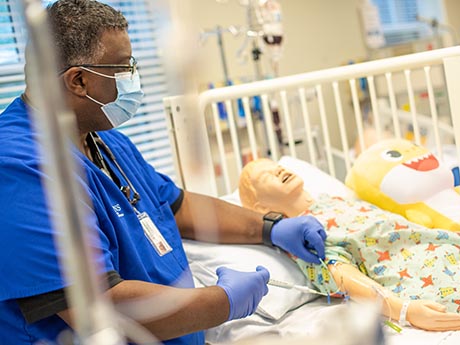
<point x="179" y="49"/>
<point x="93" y="314"/>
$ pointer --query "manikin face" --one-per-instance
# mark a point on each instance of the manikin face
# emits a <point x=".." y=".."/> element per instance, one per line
<point x="275" y="186"/>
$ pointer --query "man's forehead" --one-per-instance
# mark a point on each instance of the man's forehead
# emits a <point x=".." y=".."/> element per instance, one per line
<point x="116" y="45"/>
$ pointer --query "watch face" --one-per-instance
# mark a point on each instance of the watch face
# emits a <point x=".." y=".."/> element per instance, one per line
<point x="273" y="216"/>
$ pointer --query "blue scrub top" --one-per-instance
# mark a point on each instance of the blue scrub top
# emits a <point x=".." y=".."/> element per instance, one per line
<point x="28" y="257"/>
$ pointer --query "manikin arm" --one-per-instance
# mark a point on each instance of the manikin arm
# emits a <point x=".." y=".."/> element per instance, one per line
<point x="423" y="314"/>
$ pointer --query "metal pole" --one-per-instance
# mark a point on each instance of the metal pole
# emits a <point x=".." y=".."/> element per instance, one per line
<point x="92" y="313"/>
<point x="255" y="28"/>
<point x="220" y="42"/>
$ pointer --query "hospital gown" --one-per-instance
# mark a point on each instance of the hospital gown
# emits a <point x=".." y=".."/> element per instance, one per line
<point x="410" y="260"/>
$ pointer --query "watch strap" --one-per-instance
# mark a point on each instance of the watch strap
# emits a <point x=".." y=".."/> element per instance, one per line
<point x="270" y="219"/>
<point x="267" y="232"/>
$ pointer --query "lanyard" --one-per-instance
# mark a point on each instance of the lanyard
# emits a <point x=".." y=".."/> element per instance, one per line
<point x="154" y="235"/>
<point x="94" y="142"/>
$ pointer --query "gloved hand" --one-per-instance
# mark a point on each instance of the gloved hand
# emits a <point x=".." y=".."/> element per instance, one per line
<point x="302" y="236"/>
<point x="244" y="289"/>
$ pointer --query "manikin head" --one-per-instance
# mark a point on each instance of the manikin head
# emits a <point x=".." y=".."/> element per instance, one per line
<point x="266" y="186"/>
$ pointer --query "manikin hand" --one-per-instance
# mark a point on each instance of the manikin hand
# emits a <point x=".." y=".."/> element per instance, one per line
<point x="432" y="316"/>
<point x="244" y="289"/>
<point x="302" y="236"/>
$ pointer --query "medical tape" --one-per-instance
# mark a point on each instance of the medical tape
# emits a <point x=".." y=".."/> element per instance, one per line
<point x="403" y="314"/>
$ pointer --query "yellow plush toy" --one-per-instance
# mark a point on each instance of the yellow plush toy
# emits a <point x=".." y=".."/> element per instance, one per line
<point x="405" y="178"/>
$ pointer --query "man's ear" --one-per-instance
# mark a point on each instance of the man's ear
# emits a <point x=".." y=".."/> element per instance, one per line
<point x="75" y="81"/>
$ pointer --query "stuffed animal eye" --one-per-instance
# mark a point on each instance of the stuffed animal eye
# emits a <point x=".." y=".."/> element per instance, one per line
<point x="392" y="155"/>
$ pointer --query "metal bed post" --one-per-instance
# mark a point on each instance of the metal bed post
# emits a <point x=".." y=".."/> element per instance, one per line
<point x="399" y="74"/>
<point x="189" y="140"/>
<point x="93" y="314"/>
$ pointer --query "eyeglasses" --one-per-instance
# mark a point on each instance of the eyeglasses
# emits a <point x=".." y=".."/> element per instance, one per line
<point x="132" y="67"/>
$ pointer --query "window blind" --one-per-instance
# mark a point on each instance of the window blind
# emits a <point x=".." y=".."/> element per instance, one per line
<point x="148" y="129"/>
<point x="399" y="21"/>
<point x="400" y="11"/>
<point x="12" y="43"/>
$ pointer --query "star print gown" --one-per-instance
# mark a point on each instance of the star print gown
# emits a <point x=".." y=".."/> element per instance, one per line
<point x="410" y="260"/>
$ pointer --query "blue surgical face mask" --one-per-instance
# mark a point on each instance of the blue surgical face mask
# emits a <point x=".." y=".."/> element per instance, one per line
<point x="128" y="99"/>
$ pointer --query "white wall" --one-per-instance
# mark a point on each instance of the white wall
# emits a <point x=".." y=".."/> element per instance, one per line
<point x="452" y="14"/>
<point x="318" y="34"/>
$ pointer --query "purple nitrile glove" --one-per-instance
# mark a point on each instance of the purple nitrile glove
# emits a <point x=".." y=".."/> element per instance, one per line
<point x="244" y="289"/>
<point x="302" y="236"/>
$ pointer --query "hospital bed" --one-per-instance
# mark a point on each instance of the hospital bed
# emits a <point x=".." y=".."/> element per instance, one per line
<point x="308" y="122"/>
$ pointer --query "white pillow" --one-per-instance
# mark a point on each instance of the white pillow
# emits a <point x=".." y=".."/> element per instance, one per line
<point x="316" y="181"/>
<point x="233" y="198"/>
<point x="205" y="258"/>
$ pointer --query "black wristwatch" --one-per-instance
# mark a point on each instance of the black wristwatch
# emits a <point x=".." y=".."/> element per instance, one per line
<point x="270" y="219"/>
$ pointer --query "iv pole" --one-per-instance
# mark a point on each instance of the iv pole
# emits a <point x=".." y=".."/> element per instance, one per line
<point x="93" y="314"/>
<point x="219" y="31"/>
<point x="254" y="30"/>
<point x="220" y="42"/>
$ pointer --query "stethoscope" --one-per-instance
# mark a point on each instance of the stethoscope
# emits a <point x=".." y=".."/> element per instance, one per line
<point x="94" y="141"/>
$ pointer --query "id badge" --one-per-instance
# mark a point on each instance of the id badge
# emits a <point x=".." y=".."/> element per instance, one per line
<point x="154" y="235"/>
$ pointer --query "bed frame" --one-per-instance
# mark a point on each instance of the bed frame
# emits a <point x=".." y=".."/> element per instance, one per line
<point x="315" y="116"/>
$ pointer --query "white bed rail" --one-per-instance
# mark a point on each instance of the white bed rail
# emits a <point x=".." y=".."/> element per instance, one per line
<point x="316" y="115"/>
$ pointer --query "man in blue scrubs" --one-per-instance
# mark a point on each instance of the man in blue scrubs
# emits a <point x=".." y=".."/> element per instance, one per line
<point x="139" y="214"/>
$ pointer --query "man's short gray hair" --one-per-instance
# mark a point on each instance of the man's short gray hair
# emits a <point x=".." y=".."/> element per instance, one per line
<point x="77" y="26"/>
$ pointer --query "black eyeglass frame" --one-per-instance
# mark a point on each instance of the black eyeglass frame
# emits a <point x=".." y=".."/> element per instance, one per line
<point x="132" y="66"/>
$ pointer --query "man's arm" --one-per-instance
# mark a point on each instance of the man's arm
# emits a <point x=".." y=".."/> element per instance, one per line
<point x="210" y="219"/>
<point x="204" y="307"/>
<point x="181" y="311"/>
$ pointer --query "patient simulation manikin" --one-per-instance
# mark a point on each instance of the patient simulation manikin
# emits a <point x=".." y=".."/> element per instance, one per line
<point x="369" y="252"/>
